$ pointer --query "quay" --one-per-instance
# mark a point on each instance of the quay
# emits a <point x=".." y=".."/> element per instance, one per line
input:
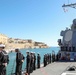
<point x="56" y="68"/>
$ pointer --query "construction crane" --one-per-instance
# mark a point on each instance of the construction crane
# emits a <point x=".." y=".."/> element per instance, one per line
<point x="70" y="5"/>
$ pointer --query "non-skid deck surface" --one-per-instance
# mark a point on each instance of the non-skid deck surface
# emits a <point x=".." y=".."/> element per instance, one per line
<point x="56" y="68"/>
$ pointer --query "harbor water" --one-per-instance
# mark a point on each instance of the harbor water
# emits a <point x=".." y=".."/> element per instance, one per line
<point x="12" y="57"/>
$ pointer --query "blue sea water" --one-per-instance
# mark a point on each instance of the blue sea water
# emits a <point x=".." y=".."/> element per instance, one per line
<point x="12" y="57"/>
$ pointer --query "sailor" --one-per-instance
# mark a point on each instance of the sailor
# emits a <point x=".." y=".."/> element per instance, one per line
<point x="19" y="60"/>
<point x="4" y="60"/>
<point x="66" y="48"/>
<point x="50" y="57"/>
<point x="61" y="48"/>
<point x="45" y="60"/>
<point x="70" y="48"/>
<point x="34" y="61"/>
<point x="57" y="57"/>
<point x="73" y="48"/>
<point x="38" y="60"/>
<point x="28" y="61"/>
<point x="53" y="57"/>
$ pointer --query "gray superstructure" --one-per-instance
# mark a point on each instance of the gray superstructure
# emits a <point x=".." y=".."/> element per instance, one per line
<point x="68" y="43"/>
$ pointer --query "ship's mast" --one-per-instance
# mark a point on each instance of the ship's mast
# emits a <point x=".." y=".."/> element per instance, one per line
<point x="70" y="5"/>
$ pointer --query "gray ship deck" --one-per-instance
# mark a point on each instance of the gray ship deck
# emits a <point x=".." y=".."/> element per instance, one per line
<point x="56" y="68"/>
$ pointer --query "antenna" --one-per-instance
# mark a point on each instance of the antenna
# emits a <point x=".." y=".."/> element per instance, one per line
<point x="70" y="5"/>
<point x="65" y="10"/>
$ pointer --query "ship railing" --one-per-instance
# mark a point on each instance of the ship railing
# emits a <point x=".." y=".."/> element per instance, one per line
<point x="11" y="68"/>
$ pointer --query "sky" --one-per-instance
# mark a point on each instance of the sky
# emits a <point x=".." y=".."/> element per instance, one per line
<point x="39" y="20"/>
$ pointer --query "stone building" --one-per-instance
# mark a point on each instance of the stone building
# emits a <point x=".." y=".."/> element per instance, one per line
<point x="3" y="39"/>
<point x="12" y="43"/>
